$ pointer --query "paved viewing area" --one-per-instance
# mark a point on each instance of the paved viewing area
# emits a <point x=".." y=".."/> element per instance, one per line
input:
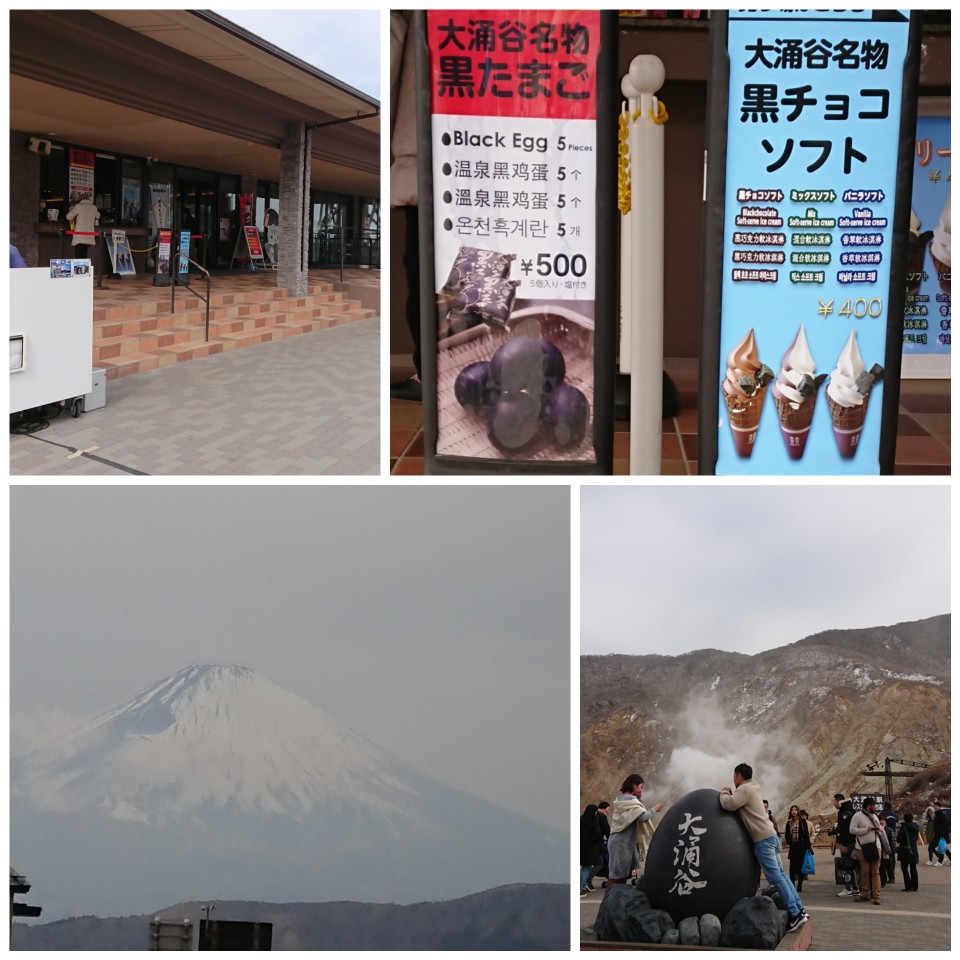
<point x="304" y="405"/>
<point x="902" y="921"/>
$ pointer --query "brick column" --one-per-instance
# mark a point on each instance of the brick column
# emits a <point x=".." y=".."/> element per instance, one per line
<point x="24" y="197"/>
<point x="294" y="209"/>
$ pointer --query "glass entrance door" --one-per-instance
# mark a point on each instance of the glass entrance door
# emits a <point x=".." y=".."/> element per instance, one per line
<point x="196" y="210"/>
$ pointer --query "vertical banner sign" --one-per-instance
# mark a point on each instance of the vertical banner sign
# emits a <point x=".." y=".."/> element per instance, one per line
<point x="183" y="265"/>
<point x="80" y="174"/>
<point x="163" y="253"/>
<point x="513" y="127"/>
<point x="926" y="319"/>
<point x="811" y="286"/>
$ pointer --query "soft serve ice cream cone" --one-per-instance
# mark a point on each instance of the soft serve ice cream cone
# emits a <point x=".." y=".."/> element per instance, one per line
<point x="848" y="393"/>
<point x="940" y="249"/>
<point x="795" y="394"/>
<point x="744" y="388"/>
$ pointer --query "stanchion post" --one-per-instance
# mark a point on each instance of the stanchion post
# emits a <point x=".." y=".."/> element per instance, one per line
<point x="646" y="237"/>
<point x="628" y="109"/>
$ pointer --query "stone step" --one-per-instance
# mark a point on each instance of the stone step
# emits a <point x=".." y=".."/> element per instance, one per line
<point x="159" y="303"/>
<point x="135" y="349"/>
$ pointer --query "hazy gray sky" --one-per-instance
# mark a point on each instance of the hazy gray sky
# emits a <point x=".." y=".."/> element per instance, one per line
<point x="668" y="569"/>
<point x="344" y="43"/>
<point x="433" y="620"/>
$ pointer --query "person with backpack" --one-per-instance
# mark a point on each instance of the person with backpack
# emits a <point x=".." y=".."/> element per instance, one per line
<point x="846" y="842"/>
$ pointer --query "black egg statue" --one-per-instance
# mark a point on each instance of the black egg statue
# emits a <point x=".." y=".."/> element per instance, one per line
<point x="700" y="859"/>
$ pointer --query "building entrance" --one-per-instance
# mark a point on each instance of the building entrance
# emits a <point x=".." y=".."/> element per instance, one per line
<point x="196" y="210"/>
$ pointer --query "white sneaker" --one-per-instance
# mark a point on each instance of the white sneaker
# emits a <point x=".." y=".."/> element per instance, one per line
<point x="938" y="864"/>
<point x="846" y="893"/>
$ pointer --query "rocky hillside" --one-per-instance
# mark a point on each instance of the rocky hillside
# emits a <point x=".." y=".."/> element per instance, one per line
<point x="809" y="717"/>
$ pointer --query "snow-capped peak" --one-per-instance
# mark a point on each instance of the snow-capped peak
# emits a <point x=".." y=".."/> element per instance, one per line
<point x="207" y="737"/>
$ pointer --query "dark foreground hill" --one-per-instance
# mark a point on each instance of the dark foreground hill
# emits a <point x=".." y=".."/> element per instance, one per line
<point x="515" y="917"/>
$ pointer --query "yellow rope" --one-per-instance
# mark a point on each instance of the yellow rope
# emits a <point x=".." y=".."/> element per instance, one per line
<point x="623" y="152"/>
<point x="623" y="166"/>
<point x="145" y="249"/>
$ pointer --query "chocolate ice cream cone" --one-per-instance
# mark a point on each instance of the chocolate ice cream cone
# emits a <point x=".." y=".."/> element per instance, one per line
<point x="744" y="415"/>
<point x="795" y="424"/>
<point x="847" y="425"/>
<point x="943" y="271"/>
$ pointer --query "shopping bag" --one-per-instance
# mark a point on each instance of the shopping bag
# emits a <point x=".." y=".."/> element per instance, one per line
<point x="808" y="867"/>
<point x="844" y="869"/>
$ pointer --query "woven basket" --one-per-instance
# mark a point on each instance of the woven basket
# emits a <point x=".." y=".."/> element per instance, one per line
<point x="463" y="433"/>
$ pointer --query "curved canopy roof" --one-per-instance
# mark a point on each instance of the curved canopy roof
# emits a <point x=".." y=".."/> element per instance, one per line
<point x="185" y="87"/>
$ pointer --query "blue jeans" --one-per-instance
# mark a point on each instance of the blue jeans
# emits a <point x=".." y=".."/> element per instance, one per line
<point x="584" y="874"/>
<point x="767" y="853"/>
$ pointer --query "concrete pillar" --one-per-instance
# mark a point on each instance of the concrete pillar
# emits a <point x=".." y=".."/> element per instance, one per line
<point x="294" y="209"/>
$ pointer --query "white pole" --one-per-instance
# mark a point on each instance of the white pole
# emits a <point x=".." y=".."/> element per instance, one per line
<point x="626" y="304"/>
<point x="646" y="221"/>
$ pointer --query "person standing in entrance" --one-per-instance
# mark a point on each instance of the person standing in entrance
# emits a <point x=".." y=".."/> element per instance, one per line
<point x="747" y="801"/>
<point x="85" y="216"/>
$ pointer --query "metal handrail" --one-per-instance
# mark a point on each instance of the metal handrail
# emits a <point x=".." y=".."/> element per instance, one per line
<point x="176" y="281"/>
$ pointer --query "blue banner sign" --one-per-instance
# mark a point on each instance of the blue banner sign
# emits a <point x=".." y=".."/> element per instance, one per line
<point x="813" y="131"/>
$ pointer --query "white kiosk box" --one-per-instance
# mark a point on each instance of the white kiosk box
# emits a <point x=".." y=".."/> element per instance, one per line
<point x="54" y="316"/>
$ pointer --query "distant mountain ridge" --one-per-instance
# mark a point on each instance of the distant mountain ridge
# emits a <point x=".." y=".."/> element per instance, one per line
<point x="216" y="783"/>
<point x="841" y="698"/>
<point x="516" y="917"/>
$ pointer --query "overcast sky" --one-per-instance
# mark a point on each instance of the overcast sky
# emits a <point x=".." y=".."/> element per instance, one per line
<point x="344" y="43"/>
<point x="433" y="620"/>
<point x="669" y="569"/>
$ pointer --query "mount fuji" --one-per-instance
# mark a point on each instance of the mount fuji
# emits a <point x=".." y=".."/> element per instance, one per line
<point x="216" y="783"/>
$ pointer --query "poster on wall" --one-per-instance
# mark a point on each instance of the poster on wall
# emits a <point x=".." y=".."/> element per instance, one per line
<point x="246" y="209"/>
<point x="159" y="206"/>
<point x="926" y="314"/>
<point x="80" y="174"/>
<point x="118" y="246"/>
<point x="514" y="158"/>
<point x="813" y="200"/>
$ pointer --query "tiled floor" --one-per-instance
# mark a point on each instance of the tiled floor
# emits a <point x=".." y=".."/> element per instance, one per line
<point x="923" y="441"/>
<point x="305" y="406"/>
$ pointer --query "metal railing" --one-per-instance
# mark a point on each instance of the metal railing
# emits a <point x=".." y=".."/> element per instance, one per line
<point x="175" y="281"/>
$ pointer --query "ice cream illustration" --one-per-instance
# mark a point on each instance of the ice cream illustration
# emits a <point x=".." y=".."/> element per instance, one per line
<point x="795" y="394"/>
<point x="744" y="388"/>
<point x="916" y="248"/>
<point x="848" y="393"/>
<point x="940" y="249"/>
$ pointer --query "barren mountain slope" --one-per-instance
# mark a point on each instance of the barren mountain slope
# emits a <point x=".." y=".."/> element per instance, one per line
<point x="811" y="715"/>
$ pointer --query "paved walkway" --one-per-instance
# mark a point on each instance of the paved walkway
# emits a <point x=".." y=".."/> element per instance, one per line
<point x="303" y="405"/>
<point x="903" y="921"/>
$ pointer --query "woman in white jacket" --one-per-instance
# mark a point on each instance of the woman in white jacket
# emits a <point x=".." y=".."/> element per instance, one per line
<point x="86" y="216"/>
<point x="629" y="821"/>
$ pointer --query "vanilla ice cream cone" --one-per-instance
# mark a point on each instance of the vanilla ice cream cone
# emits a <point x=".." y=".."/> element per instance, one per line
<point x="847" y="425"/>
